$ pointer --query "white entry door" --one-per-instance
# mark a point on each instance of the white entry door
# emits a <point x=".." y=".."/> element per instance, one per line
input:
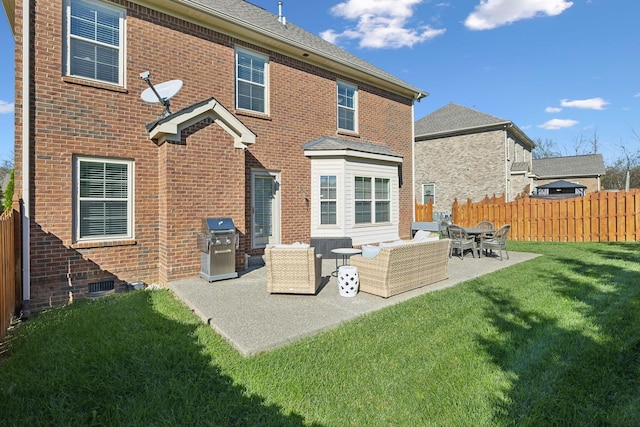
<point x="265" y="208"/>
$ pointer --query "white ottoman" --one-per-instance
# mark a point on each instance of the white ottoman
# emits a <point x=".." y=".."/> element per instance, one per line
<point x="348" y="281"/>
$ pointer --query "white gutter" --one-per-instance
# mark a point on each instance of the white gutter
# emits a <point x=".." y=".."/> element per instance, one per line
<point x="26" y="146"/>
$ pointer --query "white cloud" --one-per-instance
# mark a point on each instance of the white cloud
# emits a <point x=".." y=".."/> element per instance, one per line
<point x="553" y="109"/>
<point x="6" y="107"/>
<point x="380" y="24"/>
<point x="585" y="104"/>
<point x="491" y="14"/>
<point x="637" y="95"/>
<point x="555" y="124"/>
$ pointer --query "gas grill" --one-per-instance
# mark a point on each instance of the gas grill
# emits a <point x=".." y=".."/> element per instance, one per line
<point x="218" y="242"/>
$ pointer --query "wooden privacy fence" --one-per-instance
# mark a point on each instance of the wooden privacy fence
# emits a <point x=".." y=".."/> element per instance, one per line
<point x="596" y="217"/>
<point x="9" y="285"/>
<point x="424" y="213"/>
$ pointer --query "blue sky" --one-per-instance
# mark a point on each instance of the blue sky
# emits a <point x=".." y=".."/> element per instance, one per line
<point x="565" y="71"/>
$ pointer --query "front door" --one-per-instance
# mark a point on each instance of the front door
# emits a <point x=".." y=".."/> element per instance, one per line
<point x="265" y="208"/>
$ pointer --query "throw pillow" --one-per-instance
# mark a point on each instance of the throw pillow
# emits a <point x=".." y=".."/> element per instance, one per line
<point x="394" y="243"/>
<point x="425" y="236"/>
<point x="297" y="245"/>
<point x="370" y="251"/>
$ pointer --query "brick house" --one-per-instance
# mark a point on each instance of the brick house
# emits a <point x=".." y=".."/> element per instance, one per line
<point x="585" y="170"/>
<point x="462" y="154"/>
<point x="288" y="135"/>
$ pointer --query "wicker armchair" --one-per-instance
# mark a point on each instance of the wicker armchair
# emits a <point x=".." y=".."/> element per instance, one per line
<point x="497" y="240"/>
<point x="461" y="241"/>
<point x="295" y="270"/>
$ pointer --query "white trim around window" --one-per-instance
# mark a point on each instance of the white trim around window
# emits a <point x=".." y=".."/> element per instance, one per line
<point x="328" y="200"/>
<point x="252" y="81"/>
<point x="347" y="107"/>
<point x="103" y="199"/>
<point x="428" y="193"/>
<point x="372" y="200"/>
<point x="94" y="41"/>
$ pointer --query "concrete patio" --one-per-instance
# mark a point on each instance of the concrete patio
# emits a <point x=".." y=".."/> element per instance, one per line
<point x="255" y="321"/>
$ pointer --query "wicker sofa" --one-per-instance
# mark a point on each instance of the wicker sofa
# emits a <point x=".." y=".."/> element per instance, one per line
<point x="293" y="270"/>
<point x="404" y="267"/>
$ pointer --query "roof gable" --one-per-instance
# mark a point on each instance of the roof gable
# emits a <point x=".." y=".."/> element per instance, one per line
<point x="170" y="128"/>
<point x="455" y="118"/>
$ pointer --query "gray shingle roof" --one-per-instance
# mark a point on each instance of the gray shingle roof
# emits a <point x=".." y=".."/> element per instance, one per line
<point x="260" y="21"/>
<point x="327" y="143"/>
<point x="585" y="165"/>
<point x="452" y="118"/>
<point x="562" y="184"/>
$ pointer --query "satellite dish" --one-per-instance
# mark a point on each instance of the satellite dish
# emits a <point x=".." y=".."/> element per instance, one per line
<point x="163" y="91"/>
<point x="160" y="93"/>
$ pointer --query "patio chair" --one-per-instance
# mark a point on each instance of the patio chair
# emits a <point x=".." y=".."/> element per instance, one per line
<point x="497" y="241"/>
<point x="293" y="270"/>
<point x="461" y="241"/>
<point x="485" y="224"/>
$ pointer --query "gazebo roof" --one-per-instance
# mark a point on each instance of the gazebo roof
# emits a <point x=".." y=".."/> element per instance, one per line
<point x="562" y="184"/>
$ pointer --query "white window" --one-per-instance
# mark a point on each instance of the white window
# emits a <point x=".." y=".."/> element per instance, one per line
<point x="251" y="81"/>
<point x="383" y="200"/>
<point x="372" y="206"/>
<point x="95" y="41"/>
<point x="347" y="107"/>
<point x="328" y="199"/>
<point x="428" y="193"/>
<point x="104" y="199"/>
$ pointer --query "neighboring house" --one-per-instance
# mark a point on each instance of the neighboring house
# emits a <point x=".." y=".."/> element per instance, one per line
<point x="462" y="154"/>
<point x="286" y="134"/>
<point x="586" y="170"/>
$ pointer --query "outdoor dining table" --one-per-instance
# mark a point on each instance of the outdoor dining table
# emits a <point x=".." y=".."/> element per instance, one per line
<point x="478" y="231"/>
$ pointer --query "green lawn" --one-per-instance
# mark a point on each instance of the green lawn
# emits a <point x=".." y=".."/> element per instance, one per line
<point x="553" y="341"/>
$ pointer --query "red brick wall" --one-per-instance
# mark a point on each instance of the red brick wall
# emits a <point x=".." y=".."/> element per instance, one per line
<point x="176" y="184"/>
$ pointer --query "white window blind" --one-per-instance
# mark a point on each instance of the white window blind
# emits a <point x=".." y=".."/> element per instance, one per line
<point x="95" y="41"/>
<point x="104" y="199"/>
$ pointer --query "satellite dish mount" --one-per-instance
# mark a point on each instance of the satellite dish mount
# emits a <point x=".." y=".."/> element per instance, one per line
<point x="160" y="93"/>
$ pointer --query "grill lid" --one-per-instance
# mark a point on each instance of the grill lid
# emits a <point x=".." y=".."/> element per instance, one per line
<point x="210" y="225"/>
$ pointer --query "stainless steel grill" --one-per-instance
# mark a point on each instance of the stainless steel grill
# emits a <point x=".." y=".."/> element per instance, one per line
<point x="218" y="242"/>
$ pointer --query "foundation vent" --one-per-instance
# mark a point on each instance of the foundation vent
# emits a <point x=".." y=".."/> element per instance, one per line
<point x="101" y="288"/>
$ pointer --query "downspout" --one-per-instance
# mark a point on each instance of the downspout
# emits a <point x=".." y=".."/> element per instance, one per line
<point x="26" y="148"/>
<point x="506" y="164"/>
<point x="417" y="97"/>
<point x="413" y="161"/>
<point x="599" y="184"/>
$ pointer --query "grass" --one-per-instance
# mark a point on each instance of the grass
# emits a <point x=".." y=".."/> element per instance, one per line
<point x="553" y="341"/>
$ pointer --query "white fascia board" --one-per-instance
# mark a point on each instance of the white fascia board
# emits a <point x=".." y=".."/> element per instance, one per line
<point x="170" y="130"/>
<point x="351" y="153"/>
